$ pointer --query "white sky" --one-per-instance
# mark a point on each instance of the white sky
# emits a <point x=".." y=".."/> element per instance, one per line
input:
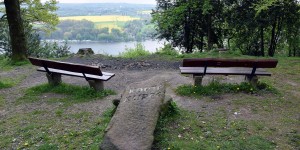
<point x="107" y="1"/>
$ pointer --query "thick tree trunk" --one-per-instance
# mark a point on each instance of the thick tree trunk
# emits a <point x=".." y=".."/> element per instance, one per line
<point x="262" y="49"/>
<point x="209" y="33"/>
<point x="272" y="42"/>
<point x="16" y="30"/>
<point x="187" y="33"/>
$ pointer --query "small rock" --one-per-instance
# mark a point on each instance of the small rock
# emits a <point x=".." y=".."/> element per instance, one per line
<point x="85" y="51"/>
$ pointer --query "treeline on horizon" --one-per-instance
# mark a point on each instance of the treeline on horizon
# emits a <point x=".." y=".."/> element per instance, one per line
<point x="98" y="9"/>
<point x="136" y="30"/>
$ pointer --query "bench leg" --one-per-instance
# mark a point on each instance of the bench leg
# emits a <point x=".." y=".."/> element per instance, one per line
<point x="98" y="85"/>
<point x="252" y="80"/>
<point x="54" y="79"/>
<point x="198" y="80"/>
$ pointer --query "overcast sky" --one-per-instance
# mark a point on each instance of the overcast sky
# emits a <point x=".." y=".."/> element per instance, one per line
<point x="108" y="1"/>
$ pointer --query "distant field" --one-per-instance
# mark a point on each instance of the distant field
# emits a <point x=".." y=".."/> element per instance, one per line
<point x="110" y="21"/>
<point x="108" y="18"/>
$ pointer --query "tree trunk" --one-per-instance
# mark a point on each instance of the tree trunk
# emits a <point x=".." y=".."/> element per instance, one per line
<point x="272" y="42"/>
<point x="228" y="43"/>
<point x="16" y="30"/>
<point x="202" y="42"/>
<point x="187" y="32"/>
<point x="262" y="41"/>
<point x="209" y="33"/>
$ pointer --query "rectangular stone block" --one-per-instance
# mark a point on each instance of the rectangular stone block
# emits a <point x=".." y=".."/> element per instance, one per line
<point x="133" y="124"/>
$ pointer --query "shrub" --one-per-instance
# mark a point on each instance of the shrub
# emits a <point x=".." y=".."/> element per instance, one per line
<point x="138" y="51"/>
<point x="167" y="50"/>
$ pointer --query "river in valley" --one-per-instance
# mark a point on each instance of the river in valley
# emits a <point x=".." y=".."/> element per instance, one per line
<point x="116" y="48"/>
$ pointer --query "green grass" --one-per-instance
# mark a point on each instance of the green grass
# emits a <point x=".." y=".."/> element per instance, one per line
<point x="5" y="84"/>
<point x="44" y="130"/>
<point x="181" y="129"/>
<point x="6" y="64"/>
<point x="70" y="93"/>
<point x="2" y="102"/>
<point x="138" y="51"/>
<point x="10" y="82"/>
<point x="217" y="88"/>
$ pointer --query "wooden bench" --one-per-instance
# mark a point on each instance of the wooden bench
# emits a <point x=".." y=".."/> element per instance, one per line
<point x="54" y="70"/>
<point x="251" y="68"/>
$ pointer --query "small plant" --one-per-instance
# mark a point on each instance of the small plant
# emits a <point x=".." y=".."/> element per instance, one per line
<point x="138" y="51"/>
<point x="4" y="85"/>
<point x="167" y="50"/>
<point x="215" y="87"/>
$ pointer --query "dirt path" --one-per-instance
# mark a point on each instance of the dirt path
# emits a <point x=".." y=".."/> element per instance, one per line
<point x="127" y="71"/>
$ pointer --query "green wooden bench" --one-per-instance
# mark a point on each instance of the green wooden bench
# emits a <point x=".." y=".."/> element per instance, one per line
<point x="54" y="70"/>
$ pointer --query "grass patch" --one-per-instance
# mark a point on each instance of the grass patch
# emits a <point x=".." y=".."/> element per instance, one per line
<point x="2" y="102"/>
<point x="75" y="94"/>
<point x="10" y="82"/>
<point x="138" y="51"/>
<point x="5" y="84"/>
<point x="6" y="64"/>
<point x="215" y="88"/>
<point x="47" y="131"/>
<point x="189" y="130"/>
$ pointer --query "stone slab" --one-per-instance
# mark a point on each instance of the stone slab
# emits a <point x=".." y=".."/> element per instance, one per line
<point x="134" y="122"/>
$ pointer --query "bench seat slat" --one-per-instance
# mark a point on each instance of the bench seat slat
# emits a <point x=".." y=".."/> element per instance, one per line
<point x="223" y="71"/>
<point x="106" y="76"/>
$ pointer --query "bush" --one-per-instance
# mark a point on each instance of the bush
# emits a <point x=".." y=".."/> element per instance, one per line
<point x="167" y="50"/>
<point x="138" y="51"/>
<point x="35" y="47"/>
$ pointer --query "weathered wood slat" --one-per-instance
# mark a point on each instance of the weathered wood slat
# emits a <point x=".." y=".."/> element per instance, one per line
<point x="224" y="71"/>
<point x="73" y="67"/>
<point x="217" y="62"/>
<point x="105" y="75"/>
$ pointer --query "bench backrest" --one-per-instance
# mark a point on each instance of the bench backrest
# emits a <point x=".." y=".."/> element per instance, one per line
<point x="94" y="70"/>
<point x="217" y="62"/>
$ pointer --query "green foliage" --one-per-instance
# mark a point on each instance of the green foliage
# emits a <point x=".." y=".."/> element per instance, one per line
<point x="258" y="28"/>
<point x="167" y="50"/>
<point x="136" y="30"/>
<point x="35" y="12"/>
<point x="138" y="51"/>
<point x="75" y="94"/>
<point x="215" y="88"/>
<point x="42" y="13"/>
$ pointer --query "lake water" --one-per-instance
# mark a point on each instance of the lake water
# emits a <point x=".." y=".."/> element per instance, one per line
<point x="114" y="48"/>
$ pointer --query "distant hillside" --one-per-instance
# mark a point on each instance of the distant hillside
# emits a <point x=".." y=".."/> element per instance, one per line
<point x="97" y="9"/>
